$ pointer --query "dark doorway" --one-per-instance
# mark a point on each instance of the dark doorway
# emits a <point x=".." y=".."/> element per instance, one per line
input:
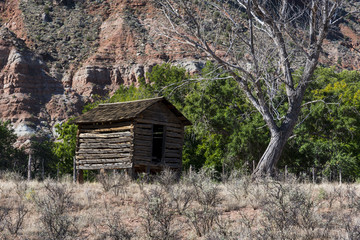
<point x="157" y="143"/>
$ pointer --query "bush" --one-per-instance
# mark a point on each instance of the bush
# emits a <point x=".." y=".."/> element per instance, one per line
<point x="116" y="182"/>
<point x="12" y="216"/>
<point x="158" y="214"/>
<point x="204" y="213"/>
<point x="54" y="207"/>
<point x="288" y="211"/>
<point x="114" y="229"/>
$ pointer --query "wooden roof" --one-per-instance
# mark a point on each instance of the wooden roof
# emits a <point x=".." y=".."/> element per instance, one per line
<point x="112" y="112"/>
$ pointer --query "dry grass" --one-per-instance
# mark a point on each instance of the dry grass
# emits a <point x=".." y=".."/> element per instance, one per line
<point x="195" y="207"/>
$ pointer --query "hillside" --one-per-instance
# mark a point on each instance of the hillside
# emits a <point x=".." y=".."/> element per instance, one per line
<point x="55" y="55"/>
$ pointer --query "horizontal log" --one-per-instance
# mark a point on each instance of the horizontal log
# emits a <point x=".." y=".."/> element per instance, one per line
<point x="143" y="154"/>
<point x="173" y="129"/>
<point x="127" y="140"/>
<point x="105" y="135"/>
<point x="142" y="158"/>
<point x="104" y="145"/>
<point x="101" y="156"/>
<point x="116" y="129"/>
<point x="173" y="155"/>
<point x="143" y="137"/>
<point x="173" y="135"/>
<point x="143" y="150"/>
<point x="104" y="166"/>
<point x="160" y="164"/>
<point x="160" y="115"/>
<point x="111" y="160"/>
<point x="143" y="132"/>
<point x="144" y="126"/>
<point x="172" y="160"/>
<point x="103" y="151"/>
<point x="171" y="124"/>
<point x="173" y="140"/>
<point x="169" y="145"/>
<point x="138" y="142"/>
<point x="107" y="125"/>
<point x="177" y="151"/>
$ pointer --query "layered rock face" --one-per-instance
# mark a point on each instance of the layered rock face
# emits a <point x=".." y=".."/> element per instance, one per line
<point x="30" y="98"/>
<point x="56" y="54"/>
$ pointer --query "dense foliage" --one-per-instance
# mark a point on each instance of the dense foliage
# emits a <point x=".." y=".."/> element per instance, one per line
<point x="227" y="132"/>
<point x="11" y="158"/>
<point x="65" y="146"/>
<point x="327" y="137"/>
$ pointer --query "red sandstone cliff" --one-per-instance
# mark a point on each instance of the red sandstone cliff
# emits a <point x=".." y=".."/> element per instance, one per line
<point x="55" y="54"/>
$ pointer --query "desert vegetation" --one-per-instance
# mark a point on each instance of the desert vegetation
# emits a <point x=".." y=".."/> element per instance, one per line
<point x="196" y="206"/>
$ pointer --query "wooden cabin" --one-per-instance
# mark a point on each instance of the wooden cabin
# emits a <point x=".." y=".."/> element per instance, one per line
<point x="140" y="136"/>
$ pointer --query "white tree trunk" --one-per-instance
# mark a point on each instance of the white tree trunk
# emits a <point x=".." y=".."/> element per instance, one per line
<point x="271" y="155"/>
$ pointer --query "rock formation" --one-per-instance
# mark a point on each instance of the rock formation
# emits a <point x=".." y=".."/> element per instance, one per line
<point x="56" y="54"/>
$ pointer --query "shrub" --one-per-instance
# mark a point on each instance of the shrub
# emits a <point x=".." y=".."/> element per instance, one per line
<point x="158" y="215"/>
<point x="204" y="213"/>
<point x="114" y="229"/>
<point x="116" y="182"/>
<point x="54" y="207"/>
<point x="12" y="216"/>
<point x="288" y="211"/>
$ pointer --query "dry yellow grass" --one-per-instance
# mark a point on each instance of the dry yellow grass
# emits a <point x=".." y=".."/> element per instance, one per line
<point x="237" y="209"/>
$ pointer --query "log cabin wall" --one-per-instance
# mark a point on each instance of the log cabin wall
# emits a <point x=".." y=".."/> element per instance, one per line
<point x="160" y="117"/>
<point x="105" y="146"/>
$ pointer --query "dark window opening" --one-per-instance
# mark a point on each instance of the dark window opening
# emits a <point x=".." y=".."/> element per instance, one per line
<point x="157" y="143"/>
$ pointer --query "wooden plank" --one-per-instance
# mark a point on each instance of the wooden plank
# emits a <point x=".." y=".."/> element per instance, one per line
<point x="127" y="140"/>
<point x="107" y="125"/>
<point x="142" y="158"/>
<point x="173" y="129"/>
<point x="173" y="155"/>
<point x="173" y="135"/>
<point x="105" y="135"/>
<point x="138" y="142"/>
<point x="103" y="151"/>
<point x="146" y="156"/>
<point x="143" y="126"/>
<point x="142" y="155"/>
<point x="142" y="137"/>
<point x="153" y="164"/>
<point x="174" y="151"/>
<point x="169" y="145"/>
<point x="160" y="111"/>
<point x="171" y="124"/>
<point x="100" y="156"/>
<point x="158" y="116"/>
<point x="98" y="145"/>
<point x="111" y="160"/>
<point x="172" y="160"/>
<point x="117" y="129"/>
<point x="104" y="166"/>
<point x="173" y="140"/>
<point x="143" y="132"/>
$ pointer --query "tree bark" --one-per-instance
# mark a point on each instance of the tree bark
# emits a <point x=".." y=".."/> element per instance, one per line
<point x="272" y="154"/>
<point x="29" y="168"/>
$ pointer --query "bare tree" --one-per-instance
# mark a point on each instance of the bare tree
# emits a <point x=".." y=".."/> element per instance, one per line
<point x="260" y="43"/>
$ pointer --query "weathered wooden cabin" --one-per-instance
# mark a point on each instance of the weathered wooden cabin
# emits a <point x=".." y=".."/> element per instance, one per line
<point x="141" y="136"/>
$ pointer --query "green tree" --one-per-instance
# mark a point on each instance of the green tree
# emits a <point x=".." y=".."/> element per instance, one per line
<point x="259" y="51"/>
<point x="227" y="131"/>
<point x="44" y="160"/>
<point x="328" y="136"/>
<point x="11" y="158"/>
<point x="65" y="146"/>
